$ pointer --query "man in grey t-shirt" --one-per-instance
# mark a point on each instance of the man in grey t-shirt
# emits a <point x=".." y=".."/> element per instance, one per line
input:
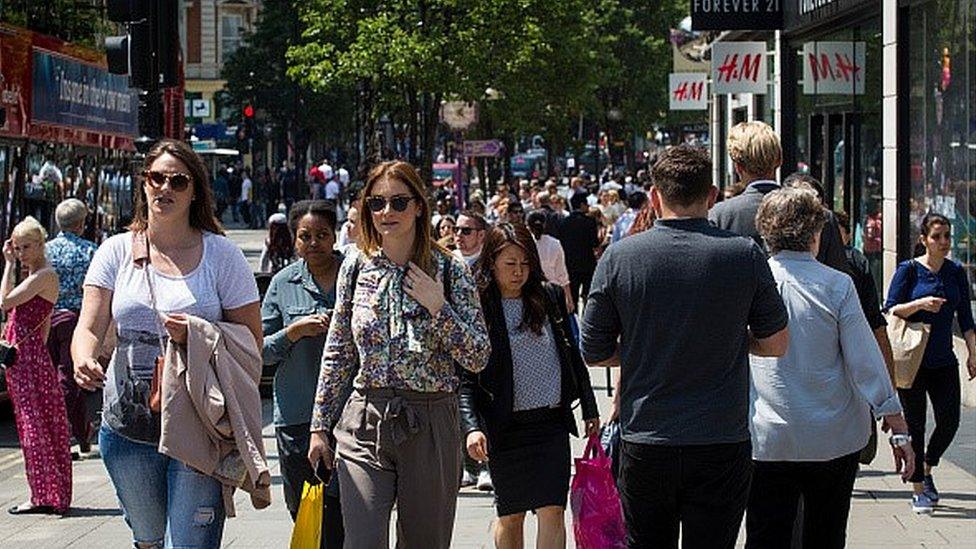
<point x="688" y="301"/>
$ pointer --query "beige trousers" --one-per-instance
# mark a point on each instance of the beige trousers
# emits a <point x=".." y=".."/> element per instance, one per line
<point x="398" y="447"/>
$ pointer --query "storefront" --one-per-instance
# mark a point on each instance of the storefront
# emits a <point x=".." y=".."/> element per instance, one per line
<point x="941" y="110"/>
<point x="879" y="103"/>
<point x="832" y="123"/>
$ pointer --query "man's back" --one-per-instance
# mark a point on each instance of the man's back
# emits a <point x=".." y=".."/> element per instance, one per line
<point x="682" y="296"/>
<point x="738" y="214"/>
<point x="578" y="234"/>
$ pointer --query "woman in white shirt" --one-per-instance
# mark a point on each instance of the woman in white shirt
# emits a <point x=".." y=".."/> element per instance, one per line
<point x="810" y="409"/>
<point x="550" y="255"/>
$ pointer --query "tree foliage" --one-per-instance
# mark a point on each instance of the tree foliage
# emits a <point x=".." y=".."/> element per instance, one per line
<point x="551" y="61"/>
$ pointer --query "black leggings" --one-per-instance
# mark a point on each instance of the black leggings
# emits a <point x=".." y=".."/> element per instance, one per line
<point x="942" y="387"/>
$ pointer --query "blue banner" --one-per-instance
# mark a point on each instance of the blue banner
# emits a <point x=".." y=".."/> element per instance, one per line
<point x="71" y="93"/>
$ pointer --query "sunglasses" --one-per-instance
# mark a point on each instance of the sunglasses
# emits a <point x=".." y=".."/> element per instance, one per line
<point x="465" y="230"/>
<point x="178" y="181"/>
<point x="377" y="204"/>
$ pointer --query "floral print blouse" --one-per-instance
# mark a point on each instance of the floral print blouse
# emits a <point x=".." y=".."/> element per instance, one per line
<point x="391" y="339"/>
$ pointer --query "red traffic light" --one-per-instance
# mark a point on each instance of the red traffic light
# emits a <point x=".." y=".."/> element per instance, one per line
<point x="248" y="111"/>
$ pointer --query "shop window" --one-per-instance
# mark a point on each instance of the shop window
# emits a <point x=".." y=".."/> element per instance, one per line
<point x="942" y="139"/>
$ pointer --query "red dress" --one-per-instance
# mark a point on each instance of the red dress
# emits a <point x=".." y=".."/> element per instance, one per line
<point x="42" y="422"/>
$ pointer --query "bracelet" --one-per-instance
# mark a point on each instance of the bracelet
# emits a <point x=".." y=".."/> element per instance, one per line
<point x="900" y="440"/>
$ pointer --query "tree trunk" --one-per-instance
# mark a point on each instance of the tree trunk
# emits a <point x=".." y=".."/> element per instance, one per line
<point x="367" y="121"/>
<point x="414" y="116"/>
<point x="431" y="108"/>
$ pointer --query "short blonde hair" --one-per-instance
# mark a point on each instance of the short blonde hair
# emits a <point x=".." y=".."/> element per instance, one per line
<point x="30" y="228"/>
<point x="755" y="148"/>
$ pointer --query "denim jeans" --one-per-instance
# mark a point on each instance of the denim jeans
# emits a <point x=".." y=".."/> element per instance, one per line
<point x="165" y="503"/>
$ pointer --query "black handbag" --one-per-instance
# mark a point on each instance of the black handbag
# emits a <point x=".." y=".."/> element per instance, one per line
<point x="8" y="351"/>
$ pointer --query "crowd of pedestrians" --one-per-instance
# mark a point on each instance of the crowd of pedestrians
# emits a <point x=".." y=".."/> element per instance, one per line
<point x="419" y="349"/>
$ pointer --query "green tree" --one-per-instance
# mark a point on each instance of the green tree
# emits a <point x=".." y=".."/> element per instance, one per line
<point x="75" y="21"/>
<point x="257" y="74"/>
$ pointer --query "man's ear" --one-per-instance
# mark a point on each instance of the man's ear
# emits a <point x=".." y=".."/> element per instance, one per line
<point x="656" y="201"/>
<point x="712" y="196"/>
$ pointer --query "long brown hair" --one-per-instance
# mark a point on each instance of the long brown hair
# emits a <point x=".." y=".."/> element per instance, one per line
<point x="533" y="292"/>
<point x="202" y="215"/>
<point x="423" y="245"/>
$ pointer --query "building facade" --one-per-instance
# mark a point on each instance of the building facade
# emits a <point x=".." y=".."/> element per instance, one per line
<point x="211" y="31"/>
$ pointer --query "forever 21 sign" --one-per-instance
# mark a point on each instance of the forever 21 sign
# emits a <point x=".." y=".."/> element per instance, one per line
<point x="736" y="14"/>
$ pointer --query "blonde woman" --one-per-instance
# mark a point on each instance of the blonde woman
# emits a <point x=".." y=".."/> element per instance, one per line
<point x="32" y="381"/>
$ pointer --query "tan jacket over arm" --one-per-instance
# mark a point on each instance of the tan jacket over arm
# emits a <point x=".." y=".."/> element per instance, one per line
<point x="211" y="409"/>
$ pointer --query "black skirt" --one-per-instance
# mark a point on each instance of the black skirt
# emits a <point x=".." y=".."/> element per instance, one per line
<point x="529" y="462"/>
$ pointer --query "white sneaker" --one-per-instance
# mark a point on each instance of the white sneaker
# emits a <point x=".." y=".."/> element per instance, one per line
<point x="922" y="505"/>
<point x="468" y="479"/>
<point x="484" y="481"/>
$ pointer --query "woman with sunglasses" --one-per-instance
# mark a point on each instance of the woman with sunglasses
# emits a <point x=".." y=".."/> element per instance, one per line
<point x="933" y="289"/>
<point x="173" y="262"/>
<point x="406" y="319"/>
<point x="517" y="413"/>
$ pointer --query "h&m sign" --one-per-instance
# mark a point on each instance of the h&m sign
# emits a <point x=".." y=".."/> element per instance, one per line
<point x="736" y="14"/>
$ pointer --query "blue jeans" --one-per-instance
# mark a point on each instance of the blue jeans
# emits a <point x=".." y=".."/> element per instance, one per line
<point x="165" y="503"/>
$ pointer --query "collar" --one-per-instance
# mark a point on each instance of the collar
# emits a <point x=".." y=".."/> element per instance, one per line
<point x="302" y="275"/>
<point x="683" y="223"/>
<point x="763" y="185"/>
<point x="793" y="255"/>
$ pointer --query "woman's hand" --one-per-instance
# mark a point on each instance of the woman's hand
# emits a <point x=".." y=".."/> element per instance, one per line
<point x="309" y="326"/>
<point x="319" y="450"/>
<point x="477" y="445"/>
<point x="428" y="291"/>
<point x="177" y="325"/>
<point x="8" y="251"/>
<point x="904" y="461"/>
<point x="591" y="427"/>
<point x="931" y="304"/>
<point x="89" y="374"/>
<point x="971" y="366"/>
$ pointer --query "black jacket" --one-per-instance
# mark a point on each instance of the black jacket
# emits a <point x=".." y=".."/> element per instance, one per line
<point x="486" y="398"/>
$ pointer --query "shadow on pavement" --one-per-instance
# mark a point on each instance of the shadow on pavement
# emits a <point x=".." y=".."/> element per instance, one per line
<point x="93" y="512"/>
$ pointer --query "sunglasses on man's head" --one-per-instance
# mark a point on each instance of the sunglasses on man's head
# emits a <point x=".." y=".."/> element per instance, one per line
<point x="178" y="181"/>
<point x="399" y="202"/>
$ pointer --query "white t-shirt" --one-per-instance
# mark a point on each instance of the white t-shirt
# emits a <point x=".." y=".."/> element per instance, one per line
<point x="222" y="280"/>
<point x="326" y="170"/>
<point x="343" y="176"/>
<point x="332" y="190"/>
<point x="246" y="186"/>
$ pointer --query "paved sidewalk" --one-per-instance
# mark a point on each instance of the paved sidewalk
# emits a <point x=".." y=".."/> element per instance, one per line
<point x="880" y="513"/>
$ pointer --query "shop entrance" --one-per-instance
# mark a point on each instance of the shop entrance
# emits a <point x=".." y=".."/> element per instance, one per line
<point x="845" y="152"/>
<point x="833" y="138"/>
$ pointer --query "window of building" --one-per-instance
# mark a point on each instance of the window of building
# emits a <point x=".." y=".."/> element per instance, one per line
<point x="942" y="72"/>
<point x="231" y="34"/>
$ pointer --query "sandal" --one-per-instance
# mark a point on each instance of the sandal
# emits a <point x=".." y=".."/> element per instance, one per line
<point x="31" y="510"/>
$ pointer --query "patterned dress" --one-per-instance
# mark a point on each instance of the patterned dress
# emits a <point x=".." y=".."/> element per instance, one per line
<point x="42" y="422"/>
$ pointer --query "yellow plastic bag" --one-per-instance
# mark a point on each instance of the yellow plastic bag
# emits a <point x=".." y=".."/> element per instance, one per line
<point x="307" y="533"/>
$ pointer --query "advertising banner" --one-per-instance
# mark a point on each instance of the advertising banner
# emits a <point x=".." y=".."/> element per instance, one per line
<point x="833" y="68"/>
<point x="68" y="92"/>
<point x="739" y="67"/>
<point x="688" y="91"/>
<point x="736" y="14"/>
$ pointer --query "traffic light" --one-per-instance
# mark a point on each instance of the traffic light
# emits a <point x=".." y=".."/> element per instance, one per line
<point x="247" y="135"/>
<point x="149" y="53"/>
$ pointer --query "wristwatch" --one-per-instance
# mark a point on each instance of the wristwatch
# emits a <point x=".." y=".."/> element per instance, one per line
<point x="900" y="440"/>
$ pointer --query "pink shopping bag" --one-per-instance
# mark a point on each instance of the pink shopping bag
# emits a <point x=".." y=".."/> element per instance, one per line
<point x="598" y="521"/>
